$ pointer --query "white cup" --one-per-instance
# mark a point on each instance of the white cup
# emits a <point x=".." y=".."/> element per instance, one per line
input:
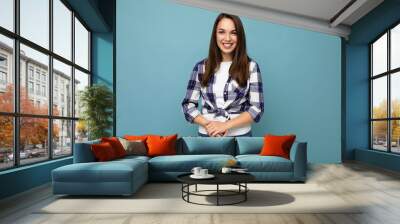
<point x="196" y="171"/>
<point x="203" y="172"/>
<point x="226" y="170"/>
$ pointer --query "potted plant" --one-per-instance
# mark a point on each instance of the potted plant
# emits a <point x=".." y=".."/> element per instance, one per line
<point x="97" y="104"/>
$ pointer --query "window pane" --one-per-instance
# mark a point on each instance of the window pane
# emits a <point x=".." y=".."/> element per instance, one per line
<point x="395" y="47"/>
<point x="6" y="74"/>
<point x="62" y="138"/>
<point x="81" y="131"/>
<point x="35" y="21"/>
<point x="34" y="78"/>
<point x="395" y="94"/>
<point x="62" y="89"/>
<point x="379" y="100"/>
<point x="379" y="55"/>
<point x="62" y="29"/>
<point x="6" y="142"/>
<point x="33" y="140"/>
<point x="81" y="45"/>
<point x="395" y="136"/>
<point x="379" y="135"/>
<point x="81" y="81"/>
<point x="7" y="14"/>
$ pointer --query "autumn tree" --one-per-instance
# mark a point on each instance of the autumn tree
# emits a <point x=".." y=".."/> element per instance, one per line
<point x="33" y="131"/>
<point x="380" y="127"/>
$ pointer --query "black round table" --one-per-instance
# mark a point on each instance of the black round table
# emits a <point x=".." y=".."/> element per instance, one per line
<point x="238" y="179"/>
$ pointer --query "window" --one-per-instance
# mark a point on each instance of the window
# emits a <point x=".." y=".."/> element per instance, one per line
<point x="62" y="74"/>
<point x="62" y="29"/>
<point x="385" y="91"/>
<point x="38" y="74"/>
<point x="43" y="90"/>
<point x="30" y="72"/>
<point x="6" y="89"/>
<point x="81" y="45"/>
<point x="44" y="131"/>
<point x="38" y="89"/>
<point x="3" y="78"/>
<point x="30" y="87"/>
<point x="35" y="21"/>
<point x="3" y="61"/>
<point x="7" y="14"/>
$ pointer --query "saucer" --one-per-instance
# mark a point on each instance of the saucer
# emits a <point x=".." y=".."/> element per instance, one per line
<point x="208" y="176"/>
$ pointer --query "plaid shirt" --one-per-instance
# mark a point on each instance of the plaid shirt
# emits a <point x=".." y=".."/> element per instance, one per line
<point x="249" y="98"/>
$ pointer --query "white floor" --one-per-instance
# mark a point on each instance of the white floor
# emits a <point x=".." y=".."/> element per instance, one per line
<point x="378" y="189"/>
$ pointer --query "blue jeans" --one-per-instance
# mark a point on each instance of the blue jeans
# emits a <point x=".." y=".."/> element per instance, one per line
<point x="248" y="134"/>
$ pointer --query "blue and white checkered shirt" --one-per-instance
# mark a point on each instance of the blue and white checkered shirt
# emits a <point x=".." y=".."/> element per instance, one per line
<point x="249" y="98"/>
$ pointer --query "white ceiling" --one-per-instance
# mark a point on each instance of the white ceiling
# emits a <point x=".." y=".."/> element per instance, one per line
<point x="324" y="16"/>
<point x="319" y="9"/>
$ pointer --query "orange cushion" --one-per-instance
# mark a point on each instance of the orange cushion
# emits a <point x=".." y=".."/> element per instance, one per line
<point x="116" y="145"/>
<point x="103" y="151"/>
<point x="135" y="138"/>
<point x="277" y="145"/>
<point x="161" y="145"/>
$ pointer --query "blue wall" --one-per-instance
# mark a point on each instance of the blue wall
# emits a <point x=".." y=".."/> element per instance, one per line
<point x="24" y="178"/>
<point x="102" y="58"/>
<point x="357" y="82"/>
<point x="158" y="42"/>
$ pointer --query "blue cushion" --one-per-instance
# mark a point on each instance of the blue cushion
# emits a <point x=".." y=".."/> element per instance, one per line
<point x="184" y="163"/>
<point x="207" y="145"/>
<point x="249" y="145"/>
<point x="257" y="163"/>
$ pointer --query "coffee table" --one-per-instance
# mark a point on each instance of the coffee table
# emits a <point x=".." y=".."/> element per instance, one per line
<point x="238" y="179"/>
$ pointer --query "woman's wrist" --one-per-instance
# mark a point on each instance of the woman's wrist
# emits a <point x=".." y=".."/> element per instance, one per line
<point x="228" y="125"/>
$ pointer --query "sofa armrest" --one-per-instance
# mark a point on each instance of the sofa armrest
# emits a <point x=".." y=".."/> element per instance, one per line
<point x="83" y="152"/>
<point x="300" y="162"/>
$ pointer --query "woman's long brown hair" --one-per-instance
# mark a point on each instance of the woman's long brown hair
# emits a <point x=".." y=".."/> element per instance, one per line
<point x="239" y="69"/>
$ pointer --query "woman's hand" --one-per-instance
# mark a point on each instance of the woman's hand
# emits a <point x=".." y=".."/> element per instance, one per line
<point x="217" y="128"/>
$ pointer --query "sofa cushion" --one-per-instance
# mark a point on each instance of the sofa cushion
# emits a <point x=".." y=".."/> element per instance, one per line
<point x="161" y="145"/>
<point x="207" y="145"/>
<point x="277" y="145"/>
<point x="249" y="145"/>
<point x="103" y="152"/>
<point x="135" y="147"/>
<point x="116" y="145"/>
<point x="257" y="163"/>
<point x="185" y="163"/>
<point x="119" y="170"/>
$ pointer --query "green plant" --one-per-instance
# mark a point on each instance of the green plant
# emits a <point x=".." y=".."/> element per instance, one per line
<point x="97" y="104"/>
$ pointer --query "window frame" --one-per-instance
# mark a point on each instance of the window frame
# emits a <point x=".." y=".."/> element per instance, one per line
<point x="388" y="74"/>
<point x="16" y="114"/>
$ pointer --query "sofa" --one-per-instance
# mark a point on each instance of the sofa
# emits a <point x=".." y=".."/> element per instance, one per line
<point x="126" y="175"/>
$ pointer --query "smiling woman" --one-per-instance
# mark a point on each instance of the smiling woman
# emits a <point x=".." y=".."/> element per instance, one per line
<point x="229" y="83"/>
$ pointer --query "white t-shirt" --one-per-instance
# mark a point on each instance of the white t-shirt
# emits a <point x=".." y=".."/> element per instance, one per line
<point x="221" y="78"/>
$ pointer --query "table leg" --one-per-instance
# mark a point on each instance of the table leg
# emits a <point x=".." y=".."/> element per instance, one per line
<point x="245" y="193"/>
<point x="196" y="188"/>
<point x="217" y="194"/>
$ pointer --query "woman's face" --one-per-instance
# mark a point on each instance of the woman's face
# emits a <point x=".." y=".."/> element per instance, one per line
<point x="226" y="37"/>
